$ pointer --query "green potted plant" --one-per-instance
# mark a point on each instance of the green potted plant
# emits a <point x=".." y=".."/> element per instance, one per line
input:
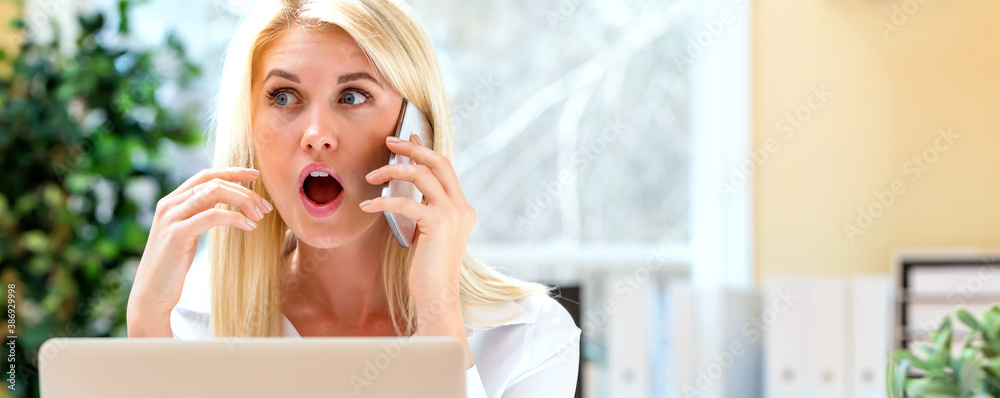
<point x="932" y="371"/>
<point x="70" y="124"/>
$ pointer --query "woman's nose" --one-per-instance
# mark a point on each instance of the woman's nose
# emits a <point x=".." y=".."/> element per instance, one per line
<point x="320" y="134"/>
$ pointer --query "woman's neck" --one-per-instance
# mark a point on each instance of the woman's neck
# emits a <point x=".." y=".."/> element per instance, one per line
<point x="341" y="286"/>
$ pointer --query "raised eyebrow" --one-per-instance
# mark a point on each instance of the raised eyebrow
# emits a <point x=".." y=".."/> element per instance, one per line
<point x="282" y="74"/>
<point x="357" y="76"/>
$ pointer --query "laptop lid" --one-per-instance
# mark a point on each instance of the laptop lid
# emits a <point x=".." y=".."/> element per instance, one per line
<point x="254" y="367"/>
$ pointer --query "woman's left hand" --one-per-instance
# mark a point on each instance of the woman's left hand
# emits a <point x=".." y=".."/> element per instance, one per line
<point x="444" y="224"/>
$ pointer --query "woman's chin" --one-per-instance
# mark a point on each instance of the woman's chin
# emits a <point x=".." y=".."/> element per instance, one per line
<point x="322" y="234"/>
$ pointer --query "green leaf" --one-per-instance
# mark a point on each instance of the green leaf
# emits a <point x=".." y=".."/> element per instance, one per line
<point x="4" y="209"/>
<point x="932" y="387"/>
<point x="78" y="183"/>
<point x="942" y="344"/>
<point x="53" y="196"/>
<point x="123" y="27"/>
<point x="908" y="356"/>
<point x="24" y="204"/>
<point x="39" y="265"/>
<point x="968" y="370"/>
<point x="35" y="241"/>
<point x="992" y="366"/>
<point x="991" y="323"/>
<point x="107" y="248"/>
<point x="967" y="318"/>
<point x="896" y="377"/>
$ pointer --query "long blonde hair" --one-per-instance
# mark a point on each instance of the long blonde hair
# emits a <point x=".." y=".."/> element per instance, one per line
<point x="246" y="272"/>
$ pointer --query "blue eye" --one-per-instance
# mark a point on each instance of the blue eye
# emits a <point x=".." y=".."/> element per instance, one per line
<point x="354" y="98"/>
<point x="284" y="98"/>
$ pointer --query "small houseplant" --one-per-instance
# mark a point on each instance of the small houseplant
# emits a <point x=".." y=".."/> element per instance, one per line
<point x="931" y="371"/>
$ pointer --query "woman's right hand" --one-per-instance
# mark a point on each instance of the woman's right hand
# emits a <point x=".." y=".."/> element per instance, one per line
<point x="180" y="217"/>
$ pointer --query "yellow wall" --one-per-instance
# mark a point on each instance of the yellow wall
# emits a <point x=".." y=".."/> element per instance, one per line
<point x="940" y="68"/>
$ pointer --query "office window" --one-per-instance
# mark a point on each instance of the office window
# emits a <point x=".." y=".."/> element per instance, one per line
<point x="571" y="120"/>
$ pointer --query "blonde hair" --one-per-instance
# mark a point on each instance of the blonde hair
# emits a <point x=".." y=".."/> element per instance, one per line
<point x="246" y="272"/>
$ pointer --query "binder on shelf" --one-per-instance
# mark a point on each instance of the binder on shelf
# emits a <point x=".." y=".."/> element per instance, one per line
<point x="826" y="337"/>
<point x="871" y="309"/>
<point x="627" y="337"/>
<point x="784" y="326"/>
<point x="715" y="353"/>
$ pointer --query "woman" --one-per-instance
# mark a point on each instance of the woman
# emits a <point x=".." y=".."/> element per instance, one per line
<point x="310" y="96"/>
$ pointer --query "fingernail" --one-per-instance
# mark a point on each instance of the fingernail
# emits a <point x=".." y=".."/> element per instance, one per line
<point x="251" y="223"/>
<point x="393" y="139"/>
<point x="365" y="203"/>
<point x="259" y="213"/>
<point x="416" y="138"/>
<point x="373" y="172"/>
<point x="267" y="204"/>
<point x="254" y="172"/>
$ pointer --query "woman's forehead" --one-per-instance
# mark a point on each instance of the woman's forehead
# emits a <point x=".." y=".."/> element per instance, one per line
<point x="326" y="50"/>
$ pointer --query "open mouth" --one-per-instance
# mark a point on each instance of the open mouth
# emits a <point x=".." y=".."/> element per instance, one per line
<point x="321" y="188"/>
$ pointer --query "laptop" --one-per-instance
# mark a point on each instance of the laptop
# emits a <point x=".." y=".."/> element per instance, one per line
<point x="373" y="367"/>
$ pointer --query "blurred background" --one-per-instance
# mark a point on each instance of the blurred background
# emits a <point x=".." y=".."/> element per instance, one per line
<point x="736" y="199"/>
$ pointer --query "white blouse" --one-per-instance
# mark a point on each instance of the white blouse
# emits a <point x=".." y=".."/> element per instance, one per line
<point x="534" y="355"/>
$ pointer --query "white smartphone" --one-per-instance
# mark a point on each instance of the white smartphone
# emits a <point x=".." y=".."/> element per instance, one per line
<point x="411" y="122"/>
